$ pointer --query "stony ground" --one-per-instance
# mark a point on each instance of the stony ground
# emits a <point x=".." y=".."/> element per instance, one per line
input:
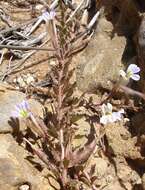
<point x="118" y="40"/>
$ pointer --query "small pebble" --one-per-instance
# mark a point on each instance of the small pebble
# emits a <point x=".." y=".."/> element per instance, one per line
<point x="24" y="80"/>
<point x="24" y="187"/>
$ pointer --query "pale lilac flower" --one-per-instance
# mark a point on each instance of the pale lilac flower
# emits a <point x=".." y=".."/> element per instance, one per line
<point x="22" y="110"/>
<point x="108" y="116"/>
<point x="47" y="16"/>
<point x="132" y="72"/>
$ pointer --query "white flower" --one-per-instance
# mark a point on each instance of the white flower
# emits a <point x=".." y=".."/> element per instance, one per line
<point x="108" y="116"/>
<point x="132" y="72"/>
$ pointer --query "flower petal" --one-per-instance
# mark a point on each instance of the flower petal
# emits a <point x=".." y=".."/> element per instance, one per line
<point x="103" y="109"/>
<point x="26" y="105"/>
<point x="135" y="77"/>
<point x="15" y="114"/>
<point x="48" y="15"/>
<point x="104" y="119"/>
<point x="122" y="73"/>
<point x="110" y="118"/>
<point x="109" y="108"/>
<point x="121" y="111"/>
<point x="52" y="14"/>
<point x="133" y="68"/>
<point x="22" y="105"/>
<point x="18" y="107"/>
<point x="116" y="116"/>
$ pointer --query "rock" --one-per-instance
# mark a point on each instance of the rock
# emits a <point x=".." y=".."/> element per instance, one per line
<point x="75" y="184"/>
<point x="100" y="62"/>
<point x="24" y="187"/>
<point x="114" y="186"/>
<point x="52" y="180"/>
<point x="15" y="171"/>
<point x="80" y="138"/>
<point x="8" y="100"/>
<point x="99" y="166"/>
<point x="143" y="181"/>
<point x="120" y="142"/>
<point x="127" y="176"/>
<point x="24" y="80"/>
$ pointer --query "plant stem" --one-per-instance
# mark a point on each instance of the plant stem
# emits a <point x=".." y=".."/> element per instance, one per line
<point x="61" y="144"/>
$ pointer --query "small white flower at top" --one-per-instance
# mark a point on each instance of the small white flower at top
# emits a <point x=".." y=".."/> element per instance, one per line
<point x="132" y="72"/>
<point x="108" y="116"/>
<point x="22" y="110"/>
<point x="46" y="16"/>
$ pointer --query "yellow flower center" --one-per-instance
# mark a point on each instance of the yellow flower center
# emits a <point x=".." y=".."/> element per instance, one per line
<point x="24" y="113"/>
<point x="129" y="74"/>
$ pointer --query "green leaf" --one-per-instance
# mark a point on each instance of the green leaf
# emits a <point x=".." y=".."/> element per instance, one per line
<point x="66" y="163"/>
<point x="76" y="117"/>
<point x="79" y="136"/>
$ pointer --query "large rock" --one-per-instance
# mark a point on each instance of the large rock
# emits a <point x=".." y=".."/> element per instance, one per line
<point x="16" y="173"/>
<point x="8" y="100"/>
<point x="100" y="62"/>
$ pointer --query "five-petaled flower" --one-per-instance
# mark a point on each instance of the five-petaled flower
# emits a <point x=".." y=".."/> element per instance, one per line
<point x="22" y="110"/>
<point x="132" y="72"/>
<point x="108" y="116"/>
